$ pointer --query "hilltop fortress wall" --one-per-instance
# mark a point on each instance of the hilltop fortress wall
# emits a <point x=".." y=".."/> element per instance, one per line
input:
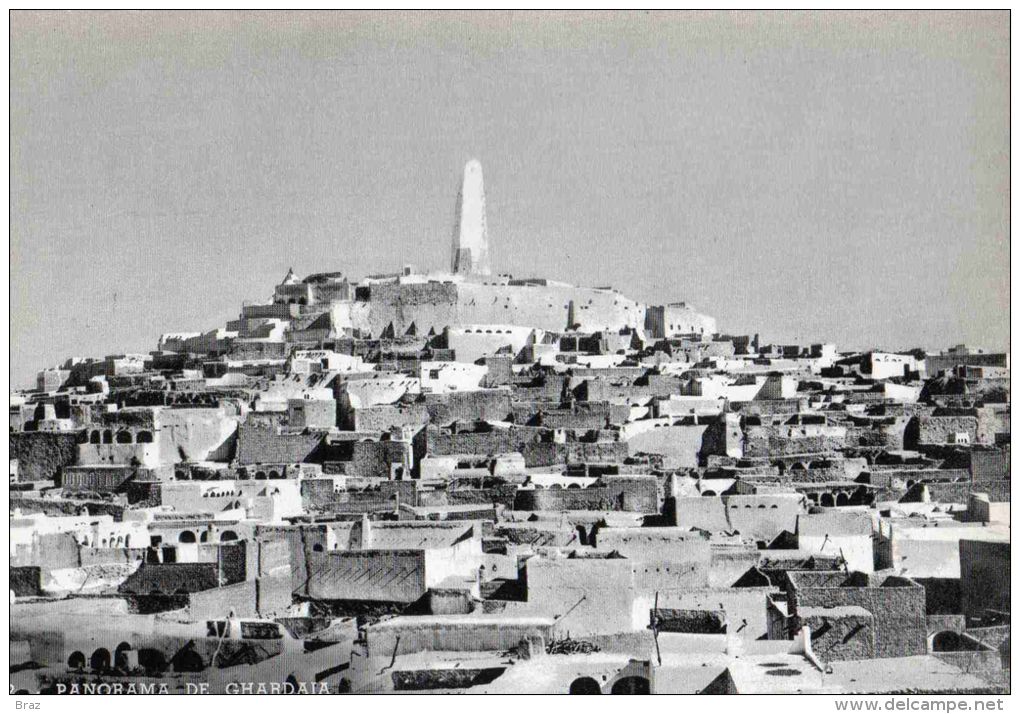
<point x="547" y="307"/>
<point x="427" y="306"/>
<point x="434" y="305"/>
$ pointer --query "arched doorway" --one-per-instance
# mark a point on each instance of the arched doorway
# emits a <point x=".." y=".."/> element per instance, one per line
<point x="100" y="660"/>
<point x="186" y="537"/>
<point x="227" y="536"/>
<point x="188" y="660"/>
<point x="827" y="500"/>
<point x="585" y="685"/>
<point x="120" y="660"/>
<point x="152" y="661"/>
<point x="632" y="685"/>
<point x="76" y="660"/>
<point x="842" y="499"/>
<point x="947" y="641"/>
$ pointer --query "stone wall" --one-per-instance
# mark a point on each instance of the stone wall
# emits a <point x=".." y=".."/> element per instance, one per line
<point x="373" y="459"/>
<point x="541" y="388"/>
<point x="41" y="455"/>
<point x="26" y="581"/>
<point x="407" y="635"/>
<point x="639" y="495"/>
<point x="989" y="464"/>
<point x="382" y="417"/>
<point x="500" y="368"/>
<point x="888" y="437"/>
<point x="984" y="577"/>
<point x="238" y="599"/>
<point x="679" y="445"/>
<point x="606" y="452"/>
<point x="96" y="479"/>
<point x="701" y="622"/>
<point x="50" y="551"/>
<point x="547" y="307"/>
<point x="942" y="429"/>
<point x="773" y="441"/>
<point x="755" y="516"/>
<point x="395" y="310"/>
<point x="265" y="444"/>
<point x="496" y="441"/>
<point x="897" y="604"/>
<point x="745" y="607"/>
<point x="387" y="576"/>
<point x="479" y="405"/>
<point x="67" y="507"/>
<point x="171" y="579"/>
<point x="839" y="633"/>
<point x="581" y="415"/>
<point x="589" y="595"/>
<point x="273" y="595"/>
<point x="959" y="492"/>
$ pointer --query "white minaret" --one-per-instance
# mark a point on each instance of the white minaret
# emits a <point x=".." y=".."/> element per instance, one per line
<point x="470" y="237"/>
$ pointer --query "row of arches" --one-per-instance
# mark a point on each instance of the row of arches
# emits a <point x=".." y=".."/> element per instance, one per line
<point x="121" y="541"/>
<point x="804" y="466"/>
<point x="187" y="536"/>
<point x="102" y="660"/>
<point x="271" y="474"/>
<point x="841" y="498"/>
<point x="487" y="331"/>
<point x="624" y="685"/>
<point x="221" y="494"/>
<point x="153" y="661"/>
<point x="242" y="475"/>
<point x="121" y="436"/>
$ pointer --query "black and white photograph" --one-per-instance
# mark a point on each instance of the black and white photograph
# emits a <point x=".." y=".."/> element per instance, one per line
<point x="510" y="352"/>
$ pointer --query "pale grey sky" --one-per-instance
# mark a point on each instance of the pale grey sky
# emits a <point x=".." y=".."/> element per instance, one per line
<point x="840" y="177"/>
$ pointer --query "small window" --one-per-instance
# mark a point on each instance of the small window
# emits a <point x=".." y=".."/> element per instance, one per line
<point x="260" y="631"/>
<point x="217" y="628"/>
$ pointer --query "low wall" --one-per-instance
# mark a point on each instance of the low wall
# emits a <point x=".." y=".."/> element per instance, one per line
<point x="239" y="599"/>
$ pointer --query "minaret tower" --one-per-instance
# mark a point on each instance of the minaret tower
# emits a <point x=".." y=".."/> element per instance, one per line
<point x="470" y="238"/>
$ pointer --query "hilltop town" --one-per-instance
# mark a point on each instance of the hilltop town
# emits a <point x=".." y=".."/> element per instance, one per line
<point x="465" y="481"/>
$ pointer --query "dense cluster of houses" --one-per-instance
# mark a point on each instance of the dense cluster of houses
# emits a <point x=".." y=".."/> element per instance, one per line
<point x="466" y="482"/>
